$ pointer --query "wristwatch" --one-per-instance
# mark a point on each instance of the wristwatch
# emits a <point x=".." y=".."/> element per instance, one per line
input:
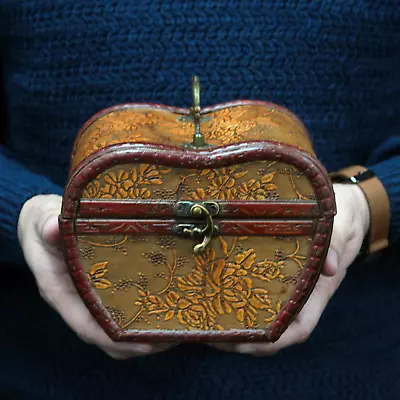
<point x="378" y="202"/>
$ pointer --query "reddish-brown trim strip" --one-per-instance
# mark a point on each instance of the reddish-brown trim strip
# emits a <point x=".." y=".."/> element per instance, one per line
<point x="165" y="208"/>
<point x="164" y="227"/>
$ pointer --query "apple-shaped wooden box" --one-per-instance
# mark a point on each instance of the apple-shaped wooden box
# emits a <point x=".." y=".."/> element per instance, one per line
<point x="195" y="224"/>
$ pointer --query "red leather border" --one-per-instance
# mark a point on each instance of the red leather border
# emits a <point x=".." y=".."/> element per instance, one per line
<point x="172" y="156"/>
<point x="228" y="209"/>
<point x="234" y="227"/>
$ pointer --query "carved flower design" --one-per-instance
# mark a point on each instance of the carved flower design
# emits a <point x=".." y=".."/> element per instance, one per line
<point x="256" y="190"/>
<point x="146" y="174"/>
<point x="139" y="193"/>
<point x="227" y="286"/>
<point x="117" y="185"/>
<point x="252" y="191"/>
<point x="260" y="299"/>
<point x="220" y="283"/>
<point x="123" y="184"/>
<point x="192" y="284"/>
<point x="196" y="317"/>
<point x="222" y="183"/>
<point x="92" y="190"/>
<point x="193" y="314"/>
<point x="223" y="188"/>
<point x="230" y="287"/>
<point x="267" y="270"/>
<point x="230" y="126"/>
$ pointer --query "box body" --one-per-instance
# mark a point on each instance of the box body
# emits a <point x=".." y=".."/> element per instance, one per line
<point x="165" y="242"/>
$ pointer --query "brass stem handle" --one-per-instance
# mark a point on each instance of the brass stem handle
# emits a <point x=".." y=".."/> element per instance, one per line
<point x="198" y="138"/>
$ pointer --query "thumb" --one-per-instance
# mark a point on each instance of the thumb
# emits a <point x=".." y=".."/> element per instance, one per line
<point x="331" y="265"/>
<point x="336" y="246"/>
<point x="46" y="224"/>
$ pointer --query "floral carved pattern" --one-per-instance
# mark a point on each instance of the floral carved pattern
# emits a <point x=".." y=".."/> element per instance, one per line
<point x="263" y="180"/>
<point x="123" y="184"/>
<point x="228" y="281"/>
<point x="221" y="127"/>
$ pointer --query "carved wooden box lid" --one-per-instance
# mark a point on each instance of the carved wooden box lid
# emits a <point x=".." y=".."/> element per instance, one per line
<point x="195" y="225"/>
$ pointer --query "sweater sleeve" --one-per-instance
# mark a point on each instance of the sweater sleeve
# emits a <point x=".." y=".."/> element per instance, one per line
<point x="385" y="162"/>
<point x="17" y="185"/>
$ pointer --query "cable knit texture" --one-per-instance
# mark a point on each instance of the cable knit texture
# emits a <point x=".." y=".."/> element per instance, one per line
<point x="335" y="63"/>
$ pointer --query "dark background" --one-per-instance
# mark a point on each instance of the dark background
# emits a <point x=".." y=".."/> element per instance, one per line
<point x="2" y="109"/>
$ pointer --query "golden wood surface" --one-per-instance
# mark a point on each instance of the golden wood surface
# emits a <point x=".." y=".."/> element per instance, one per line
<point x="261" y="180"/>
<point x="221" y="127"/>
<point x="150" y="282"/>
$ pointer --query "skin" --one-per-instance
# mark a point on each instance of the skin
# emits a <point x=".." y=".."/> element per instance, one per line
<point x="39" y="238"/>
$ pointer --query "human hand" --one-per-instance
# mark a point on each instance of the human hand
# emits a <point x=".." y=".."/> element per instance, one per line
<point x="39" y="237"/>
<point x="350" y="227"/>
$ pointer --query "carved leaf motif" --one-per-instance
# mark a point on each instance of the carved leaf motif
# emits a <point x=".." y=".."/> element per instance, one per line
<point x="169" y="315"/>
<point x="239" y="175"/>
<point x="260" y="299"/>
<point x="224" y="246"/>
<point x="268" y="177"/>
<point x="199" y="194"/>
<point x="134" y="175"/>
<point x="205" y="172"/>
<point x="183" y="303"/>
<point x="98" y="270"/>
<point x="101" y="283"/>
<point x="92" y="190"/>
<point x="143" y="168"/>
<point x="172" y="299"/>
<point x="240" y="315"/>
<point x="270" y="186"/>
<point x="218" y="305"/>
<point x="246" y="259"/>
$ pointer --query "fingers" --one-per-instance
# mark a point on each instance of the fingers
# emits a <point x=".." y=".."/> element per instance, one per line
<point x="62" y="296"/>
<point x="39" y="235"/>
<point x="141" y="350"/>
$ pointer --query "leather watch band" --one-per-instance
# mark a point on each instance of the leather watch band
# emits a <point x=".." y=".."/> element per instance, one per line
<point x="378" y="202"/>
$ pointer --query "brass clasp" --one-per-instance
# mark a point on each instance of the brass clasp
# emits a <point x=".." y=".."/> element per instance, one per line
<point x="204" y="210"/>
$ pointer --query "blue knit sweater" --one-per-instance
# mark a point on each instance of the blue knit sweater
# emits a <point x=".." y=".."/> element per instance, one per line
<point x="335" y="63"/>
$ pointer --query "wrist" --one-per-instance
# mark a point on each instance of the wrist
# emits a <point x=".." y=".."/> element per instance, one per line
<point x="361" y="209"/>
<point x="378" y="202"/>
<point x="354" y="205"/>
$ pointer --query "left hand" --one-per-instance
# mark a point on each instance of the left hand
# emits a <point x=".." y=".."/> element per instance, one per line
<point x="349" y="229"/>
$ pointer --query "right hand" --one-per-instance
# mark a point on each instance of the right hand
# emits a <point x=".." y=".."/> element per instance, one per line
<point x="39" y="238"/>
